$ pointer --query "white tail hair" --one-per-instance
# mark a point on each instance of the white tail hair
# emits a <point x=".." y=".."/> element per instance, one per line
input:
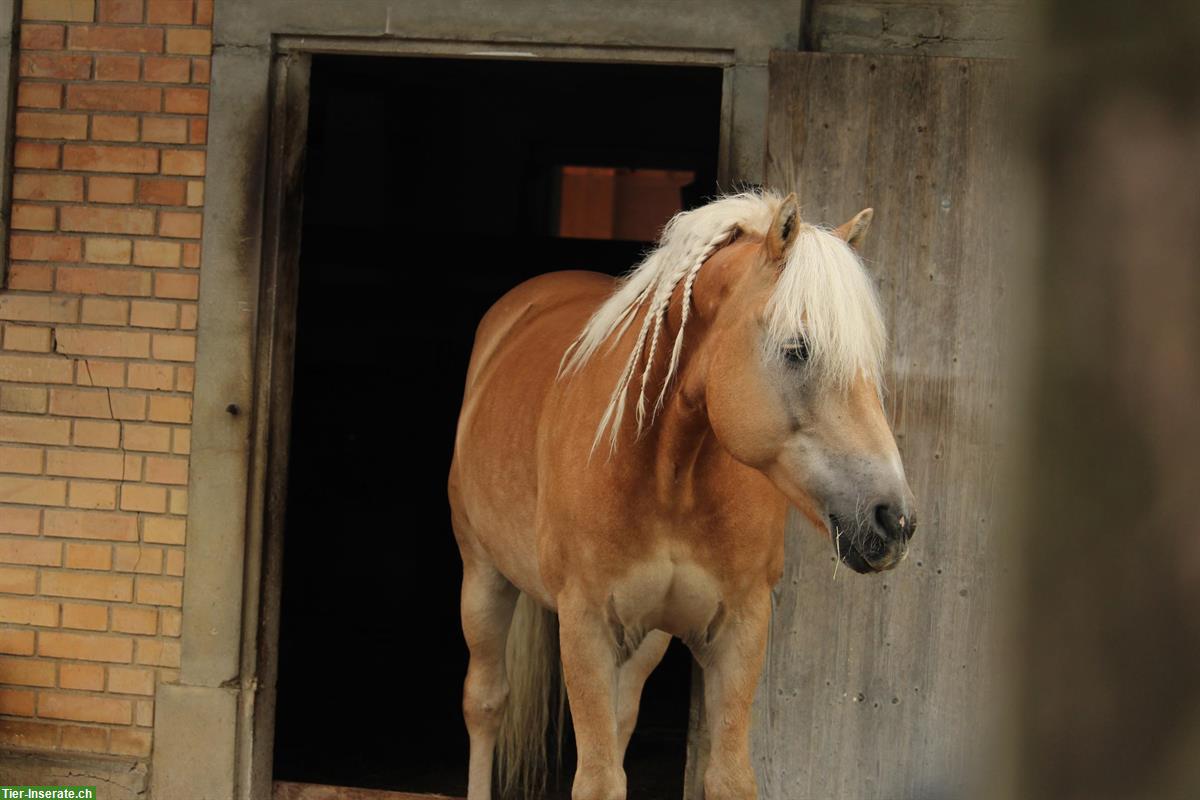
<point x="823" y="294"/>
<point x="534" y="670"/>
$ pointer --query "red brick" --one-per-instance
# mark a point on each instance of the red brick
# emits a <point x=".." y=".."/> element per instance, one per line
<point x="178" y="287"/>
<point x="36" y="125"/>
<point x="42" y="37"/>
<point x="32" y="491"/>
<point x="16" y="702"/>
<point x="116" y="39"/>
<point x="120" y="11"/>
<point x="201" y="70"/>
<point x="85" y="708"/>
<point x="64" y="10"/>
<point x="25" y="461"/>
<point x="55" y="65"/>
<point x="36" y="155"/>
<point x="85" y="464"/>
<point x="87" y="585"/>
<point x="35" y="369"/>
<point x="86" y="280"/>
<point x="35" y="430"/>
<point x="129" y="742"/>
<point x="94" y="495"/>
<point x="108" y="251"/>
<point x="189" y="41"/>
<point x="156" y="191"/>
<point x="81" y="616"/>
<point x="198" y="131"/>
<point x="17" y="580"/>
<point x="89" y="556"/>
<point x="169" y="12"/>
<point x="84" y="738"/>
<point x="183" y="162"/>
<point x="204" y="12"/>
<point x="90" y="525"/>
<point x="16" y="642"/>
<point x="34" y="553"/>
<point x="179" y="224"/>
<point x="89" y="677"/>
<point x="152" y="253"/>
<point x="39" y="186"/>
<point x="106" y="128"/>
<point x="145" y="314"/>
<point x="109" y="374"/>
<point x="170" y="409"/>
<point x="33" y="218"/>
<point x="108" y="189"/>
<point x="30" y="339"/>
<point x="97" y="97"/>
<point x="90" y="433"/>
<point x="151" y="376"/>
<point x="26" y="672"/>
<point x="29" y="247"/>
<point x="166" y="69"/>
<point x="130" y="680"/>
<point x="118" y="68"/>
<point x="167" y="470"/>
<point x="164" y="129"/>
<point x="22" y="611"/>
<point x="134" y="620"/>
<point x="157" y="653"/>
<point x="106" y="158"/>
<point x="163" y="530"/>
<point x="39" y="95"/>
<point x="97" y="311"/>
<point x="31" y="735"/>
<point x="22" y="521"/>
<point x="185" y="101"/>
<point x="30" y="277"/>
<point x="106" y="220"/>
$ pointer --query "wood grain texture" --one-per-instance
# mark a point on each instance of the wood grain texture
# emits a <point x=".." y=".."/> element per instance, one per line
<point x="287" y="790"/>
<point x="874" y="686"/>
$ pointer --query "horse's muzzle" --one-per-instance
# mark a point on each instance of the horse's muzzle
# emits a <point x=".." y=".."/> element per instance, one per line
<point x="876" y="545"/>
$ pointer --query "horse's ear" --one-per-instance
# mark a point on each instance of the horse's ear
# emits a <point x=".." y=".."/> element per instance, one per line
<point x="783" y="228"/>
<point x="854" y="230"/>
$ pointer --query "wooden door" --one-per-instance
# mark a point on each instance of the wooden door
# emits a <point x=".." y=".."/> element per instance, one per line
<point x="875" y="686"/>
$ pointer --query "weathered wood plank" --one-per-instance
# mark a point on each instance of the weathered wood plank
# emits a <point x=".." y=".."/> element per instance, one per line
<point x="874" y="685"/>
<point x="287" y="790"/>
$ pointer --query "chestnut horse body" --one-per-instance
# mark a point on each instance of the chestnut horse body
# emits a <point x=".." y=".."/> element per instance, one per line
<point x="669" y="522"/>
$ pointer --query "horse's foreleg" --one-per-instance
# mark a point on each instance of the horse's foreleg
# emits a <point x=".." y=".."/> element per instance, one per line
<point x="732" y="664"/>
<point x="589" y="657"/>
<point x="632" y="678"/>
<point x="488" y="600"/>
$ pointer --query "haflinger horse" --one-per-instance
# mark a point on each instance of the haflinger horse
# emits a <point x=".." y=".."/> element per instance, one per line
<point x="749" y="345"/>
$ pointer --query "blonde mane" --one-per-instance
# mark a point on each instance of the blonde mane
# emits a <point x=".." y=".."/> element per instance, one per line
<point x="823" y="294"/>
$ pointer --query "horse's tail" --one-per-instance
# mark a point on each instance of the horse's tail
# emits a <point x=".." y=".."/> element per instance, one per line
<point x="535" y="694"/>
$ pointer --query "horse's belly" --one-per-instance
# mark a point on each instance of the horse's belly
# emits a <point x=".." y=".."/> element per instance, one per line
<point x="667" y="593"/>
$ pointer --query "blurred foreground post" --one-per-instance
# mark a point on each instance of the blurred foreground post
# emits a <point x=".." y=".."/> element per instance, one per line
<point x="1108" y="648"/>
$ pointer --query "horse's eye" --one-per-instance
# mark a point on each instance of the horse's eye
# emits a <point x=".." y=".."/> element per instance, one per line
<point x="796" y="352"/>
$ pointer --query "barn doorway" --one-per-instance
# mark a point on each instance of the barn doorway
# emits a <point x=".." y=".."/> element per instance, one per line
<point x="432" y="187"/>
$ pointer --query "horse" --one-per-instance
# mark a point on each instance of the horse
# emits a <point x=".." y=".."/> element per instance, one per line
<point x="749" y="345"/>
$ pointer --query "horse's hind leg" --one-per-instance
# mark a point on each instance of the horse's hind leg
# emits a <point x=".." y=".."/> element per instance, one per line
<point x="632" y="678"/>
<point x="488" y="600"/>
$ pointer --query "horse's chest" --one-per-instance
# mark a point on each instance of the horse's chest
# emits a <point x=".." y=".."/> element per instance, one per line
<point x="667" y="593"/>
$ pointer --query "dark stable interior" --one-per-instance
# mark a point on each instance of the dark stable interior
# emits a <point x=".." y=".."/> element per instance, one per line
<point x="432" y="187"/>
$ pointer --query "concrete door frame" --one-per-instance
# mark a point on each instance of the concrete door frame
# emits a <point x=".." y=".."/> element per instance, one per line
<point x="214" y="727"/>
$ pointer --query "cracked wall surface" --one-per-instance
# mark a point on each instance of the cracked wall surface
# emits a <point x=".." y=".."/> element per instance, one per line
<point x="98" y="324"/>
<point x="965" y="28"/>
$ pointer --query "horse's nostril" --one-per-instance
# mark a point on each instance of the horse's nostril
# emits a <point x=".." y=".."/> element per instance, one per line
<point x="893" y="522"/>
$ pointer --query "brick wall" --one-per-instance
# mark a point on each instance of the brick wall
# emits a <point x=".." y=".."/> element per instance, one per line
<point x="969" y="28"/>
<point x="97" y="327"/>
